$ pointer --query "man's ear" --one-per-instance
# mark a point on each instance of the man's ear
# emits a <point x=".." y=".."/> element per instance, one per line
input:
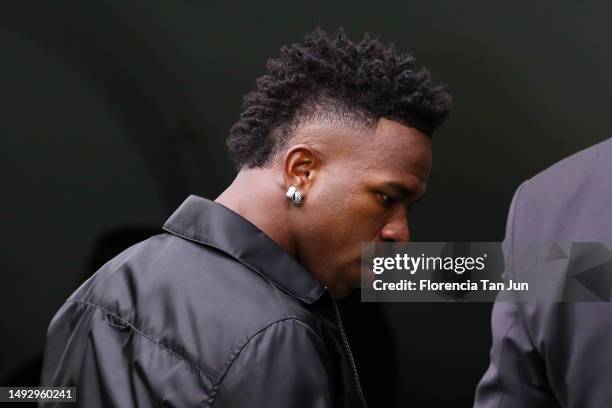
<point x="300" y="166"/>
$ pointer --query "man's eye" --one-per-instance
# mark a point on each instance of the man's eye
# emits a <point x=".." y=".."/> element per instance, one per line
<point x="386" y="199"/>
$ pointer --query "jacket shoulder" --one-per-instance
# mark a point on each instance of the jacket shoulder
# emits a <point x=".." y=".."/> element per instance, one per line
<point x="192" y="299"/>
<point x="563" y="201"/>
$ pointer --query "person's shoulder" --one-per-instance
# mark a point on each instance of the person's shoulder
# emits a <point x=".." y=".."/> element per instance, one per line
<point x="568" y="173"/>
<point x="190" y="297"/>
<point x="563" y="201"/>
<point x="166" y="271"/>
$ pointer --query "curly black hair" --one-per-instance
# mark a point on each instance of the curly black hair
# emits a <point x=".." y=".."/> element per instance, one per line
<point x="331" y="75"/>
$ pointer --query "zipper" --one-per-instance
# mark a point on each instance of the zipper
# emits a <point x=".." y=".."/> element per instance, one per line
<point x="347" y="348"/>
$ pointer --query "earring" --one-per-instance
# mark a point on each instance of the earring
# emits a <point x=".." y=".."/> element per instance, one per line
<point x="294" y="195"/>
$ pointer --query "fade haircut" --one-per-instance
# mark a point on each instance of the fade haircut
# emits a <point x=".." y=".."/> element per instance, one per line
<point x="331" y="78"/>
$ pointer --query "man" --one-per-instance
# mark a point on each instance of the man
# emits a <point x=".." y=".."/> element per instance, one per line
<point x="232" y="306"/>
<point x="556" y="354"/>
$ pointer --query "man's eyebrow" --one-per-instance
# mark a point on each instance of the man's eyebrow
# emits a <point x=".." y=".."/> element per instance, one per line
<point x="400" y="188"/>
<point x="403" y="191"/>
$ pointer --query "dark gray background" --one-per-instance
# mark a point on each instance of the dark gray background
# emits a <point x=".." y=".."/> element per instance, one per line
<point x="112" y="112"/>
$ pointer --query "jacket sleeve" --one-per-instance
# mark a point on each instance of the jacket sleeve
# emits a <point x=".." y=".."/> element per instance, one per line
<point x="284" y="365"/>
<point x="112" y="364"/>
<point x="516" y="374"/>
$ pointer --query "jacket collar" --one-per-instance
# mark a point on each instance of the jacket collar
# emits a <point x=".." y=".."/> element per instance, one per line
<point x="210" y="223"/>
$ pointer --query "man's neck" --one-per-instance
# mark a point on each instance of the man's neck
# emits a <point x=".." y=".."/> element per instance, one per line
<point x="258" y="196"/>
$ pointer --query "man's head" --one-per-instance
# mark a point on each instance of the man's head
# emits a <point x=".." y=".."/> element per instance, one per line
<point x="349" y="125"/>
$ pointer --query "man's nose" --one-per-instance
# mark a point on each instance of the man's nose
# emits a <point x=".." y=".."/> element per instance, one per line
<point x="396" y="229"/>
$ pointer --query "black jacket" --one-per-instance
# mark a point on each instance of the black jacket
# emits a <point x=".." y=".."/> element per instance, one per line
<point x="210" y="313"/>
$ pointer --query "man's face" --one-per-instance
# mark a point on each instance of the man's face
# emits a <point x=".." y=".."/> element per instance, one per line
<point x="361" y="192"/>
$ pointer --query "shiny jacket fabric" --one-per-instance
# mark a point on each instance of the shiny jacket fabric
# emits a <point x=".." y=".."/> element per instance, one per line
<point x="210" y="313"/>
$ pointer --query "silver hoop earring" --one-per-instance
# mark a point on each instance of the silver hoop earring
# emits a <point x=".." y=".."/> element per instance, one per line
<point x="294" y="195"/>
